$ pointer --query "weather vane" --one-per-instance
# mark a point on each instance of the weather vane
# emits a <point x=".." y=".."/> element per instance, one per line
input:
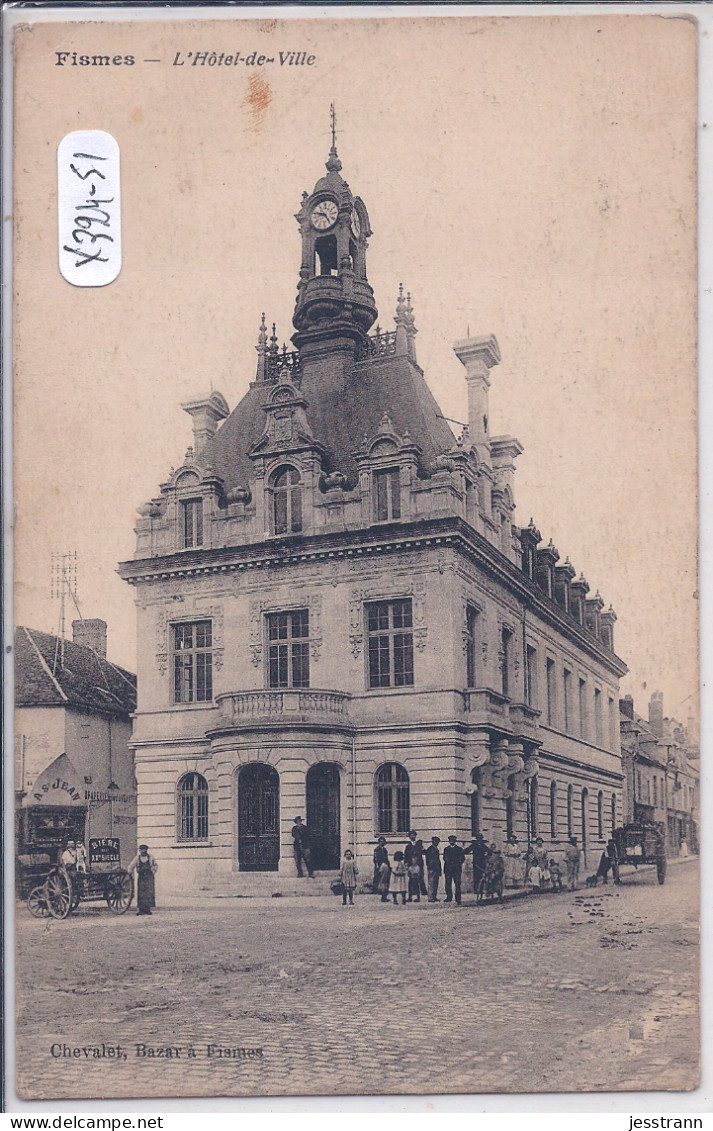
<point x="333" y="116"/>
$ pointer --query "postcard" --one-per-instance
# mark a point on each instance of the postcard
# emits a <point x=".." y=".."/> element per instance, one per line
<point x="355" y="470"/>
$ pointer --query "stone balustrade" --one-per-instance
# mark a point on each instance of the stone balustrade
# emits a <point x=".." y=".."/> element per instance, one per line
<point x="240" y="708"/>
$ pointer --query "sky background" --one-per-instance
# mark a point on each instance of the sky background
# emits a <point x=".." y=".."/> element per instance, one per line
<point x="531" y="177"/>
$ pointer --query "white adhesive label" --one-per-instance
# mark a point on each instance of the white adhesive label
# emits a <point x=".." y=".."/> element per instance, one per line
<point x="89" y="204"/>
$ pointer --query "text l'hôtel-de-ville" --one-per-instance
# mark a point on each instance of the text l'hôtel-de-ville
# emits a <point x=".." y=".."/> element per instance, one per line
<point x="191" y="59"/>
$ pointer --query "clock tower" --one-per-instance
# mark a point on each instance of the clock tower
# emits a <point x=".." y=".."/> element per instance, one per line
<point x="335" y="305"/>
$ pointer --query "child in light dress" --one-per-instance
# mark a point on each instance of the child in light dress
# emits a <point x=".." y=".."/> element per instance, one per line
<point x="397" y="883"/>
<point x="348" y="877"/>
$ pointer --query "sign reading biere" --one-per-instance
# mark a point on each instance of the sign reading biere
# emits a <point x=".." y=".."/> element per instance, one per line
<point x="104" y="850"/>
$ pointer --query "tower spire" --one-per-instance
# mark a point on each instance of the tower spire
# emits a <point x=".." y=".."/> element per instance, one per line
<point x="334" y="165"/>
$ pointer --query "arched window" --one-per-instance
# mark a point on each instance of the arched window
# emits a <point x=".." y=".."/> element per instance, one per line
<point x="570" y="793"/>
<point x="553" y="809"/>
<point x="286" y="501"/>
<point x="600" y="815"/>
<point x="391" y="799"/>
<point x="326" y="256"/>
<point x="613" y="812"/>
<point x="192" y="816"/>
<point x="532" y="808"/>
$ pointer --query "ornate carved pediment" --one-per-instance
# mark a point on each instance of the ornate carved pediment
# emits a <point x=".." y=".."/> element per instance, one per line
<point x="286" y="424"/>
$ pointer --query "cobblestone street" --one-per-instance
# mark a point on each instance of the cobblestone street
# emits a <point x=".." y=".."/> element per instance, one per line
<point x="586" y="992"/>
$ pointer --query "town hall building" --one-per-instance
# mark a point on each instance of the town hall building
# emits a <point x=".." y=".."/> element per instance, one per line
<point x="338" y="617"/>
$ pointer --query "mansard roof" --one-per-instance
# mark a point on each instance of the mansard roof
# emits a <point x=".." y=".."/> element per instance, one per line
<point x="85" y="680"/>
<point x="340" y="413"/>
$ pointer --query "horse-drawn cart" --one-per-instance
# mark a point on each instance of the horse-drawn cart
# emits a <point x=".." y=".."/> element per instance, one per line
<point x="641" y="843"/>
<point x="65" y="887"/>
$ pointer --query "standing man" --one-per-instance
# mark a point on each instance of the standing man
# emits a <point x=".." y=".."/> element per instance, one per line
<point x="453" y="857"/>
<point x="300" y="838"/>
<point x="478" y="849"/>
<point x="435" y="871"/>
<point x="571" y="859"/>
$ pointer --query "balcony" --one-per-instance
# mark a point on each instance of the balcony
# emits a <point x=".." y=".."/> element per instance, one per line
<point x="306" y="706"/>
<point x="487" y="708"/>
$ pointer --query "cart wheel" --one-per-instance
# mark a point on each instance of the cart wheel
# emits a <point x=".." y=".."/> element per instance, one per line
<point x="59" y="894"/>
<point x="119" y="892"/>
<point x="37" y="903"/>
<point x="661" y="869"/>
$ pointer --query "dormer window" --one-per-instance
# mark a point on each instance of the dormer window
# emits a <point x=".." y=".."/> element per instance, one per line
<point x="192" y="523"/>
<point x="287" y="501"/>
<point x="386" y="494"/>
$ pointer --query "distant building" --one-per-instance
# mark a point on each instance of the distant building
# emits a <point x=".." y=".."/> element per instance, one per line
<point x="661" y="763"/>
<point x="338" y="618"/>
<point x="74" y="769"/>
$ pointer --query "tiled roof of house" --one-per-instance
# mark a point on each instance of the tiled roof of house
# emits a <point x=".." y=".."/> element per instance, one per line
<point x="85" y="680"/>
<point x="340" y="413"/>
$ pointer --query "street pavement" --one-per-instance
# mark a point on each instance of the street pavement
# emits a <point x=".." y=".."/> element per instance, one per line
<point x="591" y="991"/>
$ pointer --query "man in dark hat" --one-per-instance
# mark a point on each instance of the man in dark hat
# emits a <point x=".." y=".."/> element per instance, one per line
<point x="435" y="871"/>
<point x="413" y="852"/>
<point x="300" y="847"/>
<point x="478" y="849"/>
<point x="381" y="856"/>
<point x="453" y="857"/>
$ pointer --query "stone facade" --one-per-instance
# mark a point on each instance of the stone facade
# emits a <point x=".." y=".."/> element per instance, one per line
<point x="338" y="617"/>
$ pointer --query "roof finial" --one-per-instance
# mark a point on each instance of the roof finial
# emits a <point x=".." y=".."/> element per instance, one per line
<point x="333" y="164"/>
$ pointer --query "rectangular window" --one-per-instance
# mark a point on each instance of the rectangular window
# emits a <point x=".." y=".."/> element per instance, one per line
<point x="288" y="649"/>
<point x="551" y="693"/>
<point x="583" y="713"/>
<point x="389" y="629"/>
<point x="193" y="662"/>
<point x="192" y="523"/>
<point x="505" y="645"/>
<point x="612" y="725"/>
<point x="598" y="727"/>
<point x="386" y="488"/>
<point x="567" y="686"/>
<point x="656" y="790"/>
<point x="471" y="646"/>
<point x="530" y="676"/>
<point x="639" y="794"/>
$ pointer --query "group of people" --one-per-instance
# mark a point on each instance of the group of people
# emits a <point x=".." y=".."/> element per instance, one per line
<point x="416" y="871"/>
<point x="537" y="868"/>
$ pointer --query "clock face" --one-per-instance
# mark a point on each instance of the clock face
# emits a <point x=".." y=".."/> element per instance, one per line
<point x="356" y="226"/>
<point x="324" y="215"/>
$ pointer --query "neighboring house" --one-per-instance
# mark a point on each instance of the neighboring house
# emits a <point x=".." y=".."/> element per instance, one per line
<point x="661" y="764"/>
<point x="74" y="770"/>
<point x="337" y="617"/>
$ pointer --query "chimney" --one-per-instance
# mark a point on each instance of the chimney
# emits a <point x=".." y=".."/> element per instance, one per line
<point x="207" y="413"/>
<point x="656" y="713"/>
<point x="626" y="706"/>
<point x="92" y="634"/>
<point x="478" y="355"/>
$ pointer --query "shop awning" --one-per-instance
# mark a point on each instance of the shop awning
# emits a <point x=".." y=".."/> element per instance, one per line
<point x="58" y="784"/>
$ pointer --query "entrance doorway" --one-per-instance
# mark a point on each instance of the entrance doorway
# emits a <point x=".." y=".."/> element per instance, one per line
<point x="323" y="788"/>
<point x="258" y="818"/>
